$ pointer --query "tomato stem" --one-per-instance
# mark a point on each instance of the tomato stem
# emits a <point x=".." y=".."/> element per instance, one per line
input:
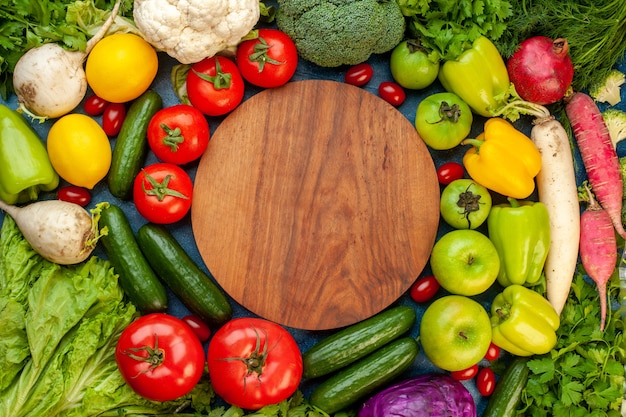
<point x="155" y="355"/>
<point x="159" y="189"/>
<point x="173" y="136"/>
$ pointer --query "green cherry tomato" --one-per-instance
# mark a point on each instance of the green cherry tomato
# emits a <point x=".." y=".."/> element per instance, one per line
<point x="465" y="204"/>
<point x="411" y="67"/>
<point x="443" y="120"/>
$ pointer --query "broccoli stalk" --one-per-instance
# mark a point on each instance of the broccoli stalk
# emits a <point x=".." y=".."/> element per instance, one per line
<point x="331" y="33"/>
<point x="609" y="90"/>
<point x="616" y="123"/>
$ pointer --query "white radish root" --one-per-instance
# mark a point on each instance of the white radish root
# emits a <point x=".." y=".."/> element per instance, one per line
<point x="61" y="232"/>
<point x="50" y="81"/>
<point x="556" y="186"/>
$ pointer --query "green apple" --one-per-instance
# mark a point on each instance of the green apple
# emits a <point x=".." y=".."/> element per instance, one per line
<point x="465" y="262"/>
<point x="455" y="332"/>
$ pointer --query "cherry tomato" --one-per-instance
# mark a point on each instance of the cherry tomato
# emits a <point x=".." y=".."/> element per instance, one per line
<point x="162" y="193"/>
<point x="465" y="374"/>
<point x="392" y="93"/>
<point x="94" y="105"/>
<point x="268" y="61"/>
<point x="359" y="74"/>
<point x="424" y="289"/>
<point x="493" y="352"/>
<point x="113" y="117"/>
<point x="254" y="362"/>
<point x="215" y="86"/>
<point x="160" y="357"/>
<point x="74" y="194"/>
<point x="486" y="381"/>
<point x="200" y="328"/>
<point x="178" y="134"/>
<point x="449" y="172"/>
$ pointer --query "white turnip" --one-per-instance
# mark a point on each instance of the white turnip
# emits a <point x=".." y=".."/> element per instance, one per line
<point x="61" y="232"/>
<point x="541" y="69"/>
<point x="50" y="81"/>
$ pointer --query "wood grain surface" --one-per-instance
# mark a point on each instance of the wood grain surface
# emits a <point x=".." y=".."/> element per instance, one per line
<point x="316" y="204"/>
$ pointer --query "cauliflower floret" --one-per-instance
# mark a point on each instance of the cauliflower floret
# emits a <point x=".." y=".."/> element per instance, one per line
<point x="191" y="30"/>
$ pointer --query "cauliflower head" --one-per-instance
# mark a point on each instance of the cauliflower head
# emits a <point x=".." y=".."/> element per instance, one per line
<point x="191" y="30"/>
<point x="331" y="33"/>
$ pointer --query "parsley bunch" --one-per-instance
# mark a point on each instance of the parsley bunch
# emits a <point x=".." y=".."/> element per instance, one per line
<point x="584" y="374"/>
<point x="446" y="28"/>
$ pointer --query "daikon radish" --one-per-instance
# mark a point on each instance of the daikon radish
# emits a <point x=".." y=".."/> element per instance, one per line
<point x="556" y="186"/>
<point x="61" y="232"/>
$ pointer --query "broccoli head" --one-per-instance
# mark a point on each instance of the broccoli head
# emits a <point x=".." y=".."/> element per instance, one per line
<point x="609" y="90"/>
<point x="331" y="33"/>
<point x="615" y="121"/>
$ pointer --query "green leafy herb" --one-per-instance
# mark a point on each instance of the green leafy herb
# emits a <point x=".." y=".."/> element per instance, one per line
<point x="595" y="31"/>
<point x="584" y="374"/>
<point x="448" y="27"/>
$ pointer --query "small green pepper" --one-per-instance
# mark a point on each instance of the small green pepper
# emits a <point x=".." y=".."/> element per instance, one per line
<point x="520" y="231"/>
<point x="523" y="322"/>
<point x="25" y="168"/>
<point x="479" y="76"/>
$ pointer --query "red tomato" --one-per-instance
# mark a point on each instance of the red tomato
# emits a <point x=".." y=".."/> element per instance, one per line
<point x="199" y="327"/>
<point x="465" y="374"/>
<point x="424" y="289"/>
<point x="268" y="61"/>
<point x="162" y="193"/>
<point x="178" y="134"/>
<point x="254" y="362"/>
<point x="113" y="117"/>
<point x="94" y="105"/>
<point x="215" y="86"/>
<point x="160" y="357"/>
<point x="74" y="194"/>
<point x="449" y="172"/>
<point x="359" y="74"/>
<point x="392" y="93"/>
<point x="492" y="353"/>
<point x="486" y="381"/>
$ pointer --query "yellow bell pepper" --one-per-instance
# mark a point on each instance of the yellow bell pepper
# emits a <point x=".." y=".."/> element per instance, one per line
<point x="503" y="159"/>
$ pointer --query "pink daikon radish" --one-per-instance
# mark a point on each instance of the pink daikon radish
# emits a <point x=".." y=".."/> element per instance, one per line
<point x="598" y="155"/>
<point x="598" y="249"/>
<point x="61" y="232"/>
<point x="557" y="190"/>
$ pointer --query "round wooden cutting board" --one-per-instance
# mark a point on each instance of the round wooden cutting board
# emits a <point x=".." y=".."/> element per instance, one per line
<point x="315" y="205"/>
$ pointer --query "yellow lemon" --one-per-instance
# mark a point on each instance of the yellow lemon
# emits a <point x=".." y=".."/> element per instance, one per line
<point x="121" y="67"/>
<point x="79" y="150"/>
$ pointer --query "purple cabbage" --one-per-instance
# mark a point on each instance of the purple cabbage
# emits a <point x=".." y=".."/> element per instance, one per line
<point x="430" y="395"/>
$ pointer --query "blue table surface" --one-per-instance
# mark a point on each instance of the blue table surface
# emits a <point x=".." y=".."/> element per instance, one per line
<point x="183" y="233"/>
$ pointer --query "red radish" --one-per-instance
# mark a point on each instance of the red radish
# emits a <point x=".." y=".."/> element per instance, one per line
<point x="598" y="249"/>
<point x="598" y="155"/>
<point x="541" y="69"/>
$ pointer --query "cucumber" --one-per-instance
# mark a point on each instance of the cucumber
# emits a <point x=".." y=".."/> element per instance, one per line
<point x="131" y="146"/>
<point x="365" y="376"/>
<point x="138" y="280"/>
<point x="356" y="341"/>
<point x="194" y="288"/>
<point x="506" y="397"/>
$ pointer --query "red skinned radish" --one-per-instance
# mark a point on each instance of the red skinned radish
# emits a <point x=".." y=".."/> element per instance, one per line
<point x="50" y="81"/>
<point x="557" y="190"/>
<point x="598" y="155"/>
<point x="541" y="69"/>
<point x="60" y="231"/>
<point x="598" y="249"/>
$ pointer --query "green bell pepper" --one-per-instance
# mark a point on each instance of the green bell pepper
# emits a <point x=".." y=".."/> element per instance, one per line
<point x="25" y="168"/>
<point x="479" y="76"/>
<point x="520" y="231"/>
<point x="523" y="322"/>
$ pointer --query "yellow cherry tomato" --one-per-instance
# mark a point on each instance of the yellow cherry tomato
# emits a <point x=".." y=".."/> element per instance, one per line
<point x="79" y="150"/>
<point x="121" y="67"/>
